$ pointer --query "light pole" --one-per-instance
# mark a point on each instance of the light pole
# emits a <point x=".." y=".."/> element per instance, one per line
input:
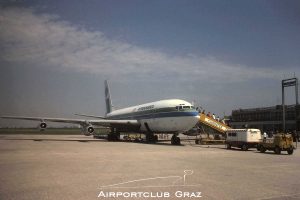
<point x="288" y="83"/>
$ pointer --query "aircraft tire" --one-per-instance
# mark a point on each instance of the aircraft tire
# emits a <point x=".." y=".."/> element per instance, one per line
<point x="175" y="140"/>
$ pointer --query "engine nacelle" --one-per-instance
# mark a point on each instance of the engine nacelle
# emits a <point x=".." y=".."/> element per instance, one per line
<point x="43" y="126"/>
<point x="88" y="130"/>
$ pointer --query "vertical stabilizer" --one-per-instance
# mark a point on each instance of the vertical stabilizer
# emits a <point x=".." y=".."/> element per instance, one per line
<point x="107" y="98"/>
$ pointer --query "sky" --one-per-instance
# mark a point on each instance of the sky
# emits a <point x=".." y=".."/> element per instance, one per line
<point x="221" y="55"/>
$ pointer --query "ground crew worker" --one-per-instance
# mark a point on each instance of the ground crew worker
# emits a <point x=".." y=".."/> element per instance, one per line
<point x="265" y="136"/>
<point x="223" y="121"/>
<point x="208" y="114"/>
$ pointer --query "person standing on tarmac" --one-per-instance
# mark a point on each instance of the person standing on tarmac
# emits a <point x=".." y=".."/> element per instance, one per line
<point x="265" y="136"/>
<point x="294" y="135"/>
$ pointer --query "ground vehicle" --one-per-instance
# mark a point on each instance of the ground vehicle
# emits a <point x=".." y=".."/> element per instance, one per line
<point x="242" y="138"/>
<point x="280" y="142"/>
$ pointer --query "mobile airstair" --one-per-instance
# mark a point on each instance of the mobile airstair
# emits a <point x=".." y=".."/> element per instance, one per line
<point x="212" y="130"/>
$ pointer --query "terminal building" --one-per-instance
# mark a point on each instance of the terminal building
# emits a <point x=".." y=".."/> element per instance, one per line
<point x="267" y="118"/>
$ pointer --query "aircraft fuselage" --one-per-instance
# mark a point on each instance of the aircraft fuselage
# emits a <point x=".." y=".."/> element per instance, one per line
<point x="169" y="116"/>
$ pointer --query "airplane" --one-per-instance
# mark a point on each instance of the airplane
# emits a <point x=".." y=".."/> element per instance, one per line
<point x="171" y="116"/>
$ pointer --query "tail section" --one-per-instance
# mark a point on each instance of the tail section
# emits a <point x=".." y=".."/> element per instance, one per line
<point x="108" y="102"/>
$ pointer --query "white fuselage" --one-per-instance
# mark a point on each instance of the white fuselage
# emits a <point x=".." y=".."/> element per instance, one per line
<point x="169" y="116"/>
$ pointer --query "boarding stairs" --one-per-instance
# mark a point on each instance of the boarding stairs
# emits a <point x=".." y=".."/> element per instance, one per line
<point x="216" y="125"/>
<point x="212" y="131"/>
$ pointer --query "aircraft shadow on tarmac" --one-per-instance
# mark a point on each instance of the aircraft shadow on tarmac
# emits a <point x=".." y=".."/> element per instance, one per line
<point x="160" y="143"/>
<point x="84" y="140"/>
<point x="76" y="139"/>
<point x="53" y="140"/>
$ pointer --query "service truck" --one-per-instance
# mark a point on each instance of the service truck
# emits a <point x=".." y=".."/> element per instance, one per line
<point x="243" y="138"/>
<point x="280" y="142"/>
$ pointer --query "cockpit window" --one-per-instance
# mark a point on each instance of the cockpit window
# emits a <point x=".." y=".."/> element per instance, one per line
<point x="178" y="107"/>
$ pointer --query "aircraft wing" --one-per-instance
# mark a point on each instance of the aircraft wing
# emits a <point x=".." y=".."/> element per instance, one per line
<point x="100" y="122"/>
<point x="93" y="116"/>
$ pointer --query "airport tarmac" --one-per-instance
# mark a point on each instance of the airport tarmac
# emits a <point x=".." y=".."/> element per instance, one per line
<point x="79" y="167"/>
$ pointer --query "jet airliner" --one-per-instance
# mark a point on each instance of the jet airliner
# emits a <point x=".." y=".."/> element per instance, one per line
<point x="172" y="116"/>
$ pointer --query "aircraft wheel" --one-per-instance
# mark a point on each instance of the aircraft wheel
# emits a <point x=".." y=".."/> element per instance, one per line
<point x="175" y="140"/>
<point x="155" y="138"/>
<point x="150" y="138"/>
<point x="178" y="141"/>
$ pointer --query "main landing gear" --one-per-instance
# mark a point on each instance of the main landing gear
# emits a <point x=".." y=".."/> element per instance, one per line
<point x="175" y="140"/>
<point x="114" y="135"/>
<point x="151" y="138"/>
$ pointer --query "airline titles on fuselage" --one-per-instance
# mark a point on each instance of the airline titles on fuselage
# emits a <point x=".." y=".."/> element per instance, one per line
<point x="145" y="108"/>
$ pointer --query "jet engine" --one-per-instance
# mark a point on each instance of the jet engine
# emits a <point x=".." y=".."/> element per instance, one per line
<point x="88" y="130"/>
<point x="43" y="126"/>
